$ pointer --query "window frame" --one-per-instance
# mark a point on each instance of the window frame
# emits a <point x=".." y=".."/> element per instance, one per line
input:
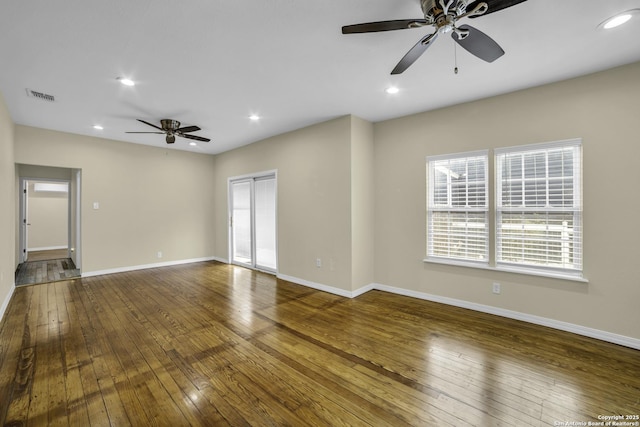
<point x="575" y="210"/>
<point x="492" y="216"/>
<point x="432" y="208"/>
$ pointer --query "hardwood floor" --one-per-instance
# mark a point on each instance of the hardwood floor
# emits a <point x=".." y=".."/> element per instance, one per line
<point x="213" y="344"/>
<point x="49" y="270"/>
<point x="48" y="254"/>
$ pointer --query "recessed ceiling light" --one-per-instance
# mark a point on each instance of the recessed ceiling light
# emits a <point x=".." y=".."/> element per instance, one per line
<point x="254" y="117"/>
<point x="97" y="127"/>
<point x="392" y="89"/>
<point x="619" y="19"/>
<point x="193" y="144"/>
<point x="125" y="81"/>
<point x="616" y="21"/>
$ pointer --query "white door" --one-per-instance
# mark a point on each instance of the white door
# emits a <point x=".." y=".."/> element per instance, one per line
<point x="253" y="222"/>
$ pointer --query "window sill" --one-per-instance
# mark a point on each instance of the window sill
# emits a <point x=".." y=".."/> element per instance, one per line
<point x="509" y="269"/>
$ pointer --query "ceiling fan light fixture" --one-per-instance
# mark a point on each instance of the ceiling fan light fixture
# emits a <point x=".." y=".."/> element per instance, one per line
<point x="618" y="19"/>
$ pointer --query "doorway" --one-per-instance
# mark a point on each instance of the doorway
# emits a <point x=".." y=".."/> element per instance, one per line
<point x="49" y="224"/>
<point x="252" y="221"/>
<point x="45" y="218"/>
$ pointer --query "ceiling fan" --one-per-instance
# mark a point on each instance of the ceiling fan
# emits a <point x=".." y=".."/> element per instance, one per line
<point x="443" y="16"/>
<point x="172" y="128"/>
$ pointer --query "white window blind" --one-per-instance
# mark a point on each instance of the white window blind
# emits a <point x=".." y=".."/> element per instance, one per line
<point x="539" y="206"/>
<point x="457" y="208"/>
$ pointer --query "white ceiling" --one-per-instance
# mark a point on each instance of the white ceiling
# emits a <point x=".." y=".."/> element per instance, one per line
<point x="213" y="63"/>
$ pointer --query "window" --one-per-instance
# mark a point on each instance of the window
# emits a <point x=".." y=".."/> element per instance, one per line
<point x="457" y="208"/>
<point x="539" y="206"/>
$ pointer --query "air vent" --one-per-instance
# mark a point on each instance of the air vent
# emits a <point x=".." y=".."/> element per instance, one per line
<point x="40" y="95"/>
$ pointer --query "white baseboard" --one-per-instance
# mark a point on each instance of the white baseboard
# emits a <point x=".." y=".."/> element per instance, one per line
<point x="5" y="303"/>
<point x="146" y="266"/>
<point x="318" y="286"/>
<point x="47" y="248"/>
<point x="530" y="318"/>
<point x="537" y="320"/>
<point x="364" y="290"/>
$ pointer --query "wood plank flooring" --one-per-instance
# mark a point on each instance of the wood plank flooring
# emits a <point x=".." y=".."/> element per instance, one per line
<point x="212" y="344"/>
<point x="48" y="254"/>
<point x="49" y="270"/>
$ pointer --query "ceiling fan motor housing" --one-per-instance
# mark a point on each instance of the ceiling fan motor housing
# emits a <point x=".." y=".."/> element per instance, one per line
<point x="169" y="125"/>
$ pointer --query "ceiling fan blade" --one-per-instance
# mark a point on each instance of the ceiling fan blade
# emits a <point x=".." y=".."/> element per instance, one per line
<point x="372" y="27"/>
<point x="197" y="138"/>
<point x="495" y="5"/>
<point x="188" y="129"/>
<point x="145" y="132"/>
<point x="478" y="43"/>
<point x="150" y="124"/>
<point x="414" y="53"/>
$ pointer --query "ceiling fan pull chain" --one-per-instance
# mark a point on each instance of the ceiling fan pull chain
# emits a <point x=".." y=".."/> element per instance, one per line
<point x="455" y="59"/>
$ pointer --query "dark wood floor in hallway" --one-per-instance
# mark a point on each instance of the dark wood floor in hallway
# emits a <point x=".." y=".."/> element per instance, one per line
<point x="213" y="344"/>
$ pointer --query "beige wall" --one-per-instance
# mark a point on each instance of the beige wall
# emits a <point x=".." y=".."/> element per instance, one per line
<point x="151" y="199"/>
<point x="362" y="203"/>
<point x="7" y="206"/>
<point x="48" y="219"/>
<point x="602" y="109"/>
<point x="314" y="196"/>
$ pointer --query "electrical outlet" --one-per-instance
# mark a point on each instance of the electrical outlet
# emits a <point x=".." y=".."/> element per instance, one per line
<point x="496" y="288"/>
<point x="159" y="254"/>
<point x="318" y="262"/>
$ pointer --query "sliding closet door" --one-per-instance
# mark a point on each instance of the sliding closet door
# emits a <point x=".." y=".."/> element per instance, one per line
<point x="253" y="222"/>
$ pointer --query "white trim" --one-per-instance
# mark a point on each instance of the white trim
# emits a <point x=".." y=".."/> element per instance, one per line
<point x="46" y="248"/>
<point x="319" y="286"/>
<point x="476" y="153"/>
<point x="263" y="174"/>
<point x="572" y="142"/>
<point x="510" y="269"/>
<point x="251" y="178"/>
<point x="22" y="244"/>
<point x="5" y="303"/>
<point x="146" y="266"/>
<point x="510" y="314"/>
<point x="529" y="318"/>
<point x="576" y="277"/>
<point x="363" y="290"/>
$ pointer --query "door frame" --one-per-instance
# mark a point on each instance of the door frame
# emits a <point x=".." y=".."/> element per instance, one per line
<point x="251" y="178"/>
<point x="73" y="227"/>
